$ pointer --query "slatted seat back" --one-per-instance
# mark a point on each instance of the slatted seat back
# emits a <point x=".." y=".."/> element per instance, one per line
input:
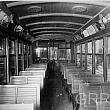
<point x="75" y="83"/>
<point x="91" y="94"/>
<point x="70" y="76"/>
<point x="106" y="89"/>
<point x="23" y="94"/>
<point x="29" y="94"/>
<point x="38" y="65"/>
<point x="7" y="95"/>
<point x="91" y="78"/>
<point x="27" y="80"/>
<point x="18" y="80"/>
<point x="65" y="66"/>
<point x="103" y="106"/>
<point x="31" y="73"/>
<point x="16" y="107"/>
<point x="35" y="69"/>
<point x="76" y="79"/>
<point x="76" y="71"/>
<point x="67" y="70"/>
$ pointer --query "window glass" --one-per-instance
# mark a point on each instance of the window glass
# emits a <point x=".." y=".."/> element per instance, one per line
<point x="99" y="64"/>
<point x="68" y="45"/>
<point x="53" y="53"/>
<point x="78" y="59"/>
<point x="68" y="54"/>
<point x="62" y="54"/>
<point x="90" y="47"/>
<point x="2" y="68"/>
<point x="41" y="52"/>
<point x="89" y="62"/>
<point x="83" y="61"/>
<point x="99" y="46"/>
<point x="78" y="49"/>
<point x="24" y="49"/>
<point x="108" y="49"/>
<point x="108" y="61"/>
<point x="2" y="46"/>
<point x="11" y="47"/>
<point x="108" y="67"/>
<point x="83" y="48"/>
<point x="19" y="48"/>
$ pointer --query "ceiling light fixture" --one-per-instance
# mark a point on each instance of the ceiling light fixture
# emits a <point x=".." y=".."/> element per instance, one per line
<point x="79" y="8"/>
<point x="34" y="9"/>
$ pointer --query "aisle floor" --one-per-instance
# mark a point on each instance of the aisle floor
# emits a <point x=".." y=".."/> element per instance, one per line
<point x="54" y="97"/>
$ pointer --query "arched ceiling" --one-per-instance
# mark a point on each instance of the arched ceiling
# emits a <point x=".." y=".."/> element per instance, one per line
<point x="53" y="18"/>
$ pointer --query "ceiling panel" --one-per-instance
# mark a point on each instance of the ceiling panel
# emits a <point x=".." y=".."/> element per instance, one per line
<point x="65" y="17"/>
<point x="55" y="8"/>
<point x="55" y="18"/>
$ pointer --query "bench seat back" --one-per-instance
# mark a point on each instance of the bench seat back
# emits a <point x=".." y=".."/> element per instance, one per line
<point x="38" y="79"/>
<point x="16" y="107"/>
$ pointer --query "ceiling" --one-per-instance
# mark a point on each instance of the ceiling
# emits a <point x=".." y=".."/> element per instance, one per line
<point x="47" y="19"/>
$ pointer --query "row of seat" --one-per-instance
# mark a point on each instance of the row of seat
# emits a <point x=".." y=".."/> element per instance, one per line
<point x="84" y="88"/>
<point x="23" y="92"/>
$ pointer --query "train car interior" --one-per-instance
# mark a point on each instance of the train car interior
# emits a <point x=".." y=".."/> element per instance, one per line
<point x="55" y="55"/>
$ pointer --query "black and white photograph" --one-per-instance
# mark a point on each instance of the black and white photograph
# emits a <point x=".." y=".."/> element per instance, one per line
<point x="54" y="54"/>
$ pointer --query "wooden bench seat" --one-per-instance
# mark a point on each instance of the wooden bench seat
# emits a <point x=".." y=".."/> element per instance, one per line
<point x="74" y="75"/>
<point x="91" y="94"/>
<point x="36" y="69"/>
<point x="16" y="107"/>
<point x="38" y="65"/>
<point x="38" y="79"/>
<point x="18" y="94"/>
<point x="103" y="106"/>
<point x="84" y="78"/>
<point x="32" y="73"/>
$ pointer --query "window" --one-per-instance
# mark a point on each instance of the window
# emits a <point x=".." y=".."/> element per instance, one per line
<point x="19" y="48"/>
<point x="99" y="56"/>
<point x="24" y="49"/>
<point x="90" y="48"/>
<point x="99" y="46"/>
<point x="11" y="47"/>
<point x="41" y="52"/>
<point x="62" y="55"/>
<point x="78" y="48"/>
<point x="53" y="53"/>
<point x="89" y="62"/>
<point x="83" y="48"/>
<point x="108" y="58"/>
<point x="62" y="45"/>
<point x="89" y="56"/>
<point x="78" y="54"/>
<point x="78" y="59"/>
<point x="83" y="56"/>
<point x="2" y="46"/>
<point x="68" y="54"/>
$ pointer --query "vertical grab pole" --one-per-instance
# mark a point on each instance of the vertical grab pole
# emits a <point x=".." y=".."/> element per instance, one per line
<point x="22" y="56"/>
<point x="105" y="46"/>
<point x="7" y="60"/>
<point x="16" y="52"/>
<point x="27" y="55"/>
